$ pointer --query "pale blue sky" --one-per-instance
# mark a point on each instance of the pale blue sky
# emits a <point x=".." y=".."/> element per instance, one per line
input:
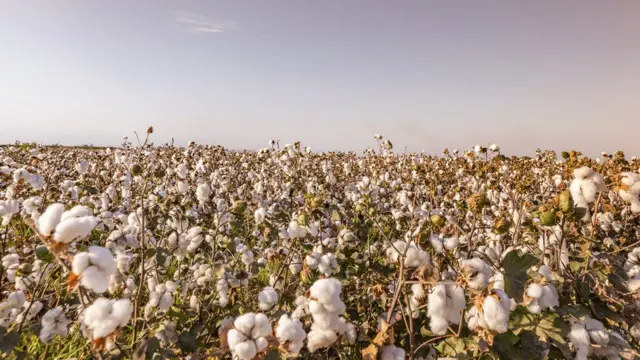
<point x="331" y="73"/>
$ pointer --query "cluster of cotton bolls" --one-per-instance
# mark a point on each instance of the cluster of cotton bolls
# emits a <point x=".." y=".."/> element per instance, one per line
<point x="162" y="296"/>
<point x="94" y="268"/>
<point x="585" y="187"/>
<point x="413" y="256"/>
<point x="543" y="295"/>
<point x="66" y="226"/>
<point x="247" y="254"/>
<point x="630" y="191"/>
<point x="325" y="307"/>
<point x="249" y="335"/>
<point x="325" y="263"/>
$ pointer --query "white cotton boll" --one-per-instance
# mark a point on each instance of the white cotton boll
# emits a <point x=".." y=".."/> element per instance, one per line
<point x="579" y="337"/>
<point x="74" y="229"/>
<point x="451" y="243"/>
<point x="534" y="290"/>
<point x="391" y="352"/>
<point x="597" y="331"/>
<point x="496" y="309"/>
<point x="166" y="300"/>
<point x="235" y="337"/>
<point x="267" y="298"/>
<point x="50" y="218"/>
<point x="244" y="323"/>
<point x="94" y="279"/>
<point x="76" y="211"/>
<point x="246" y="350"/>
<point x="262" y="326"/>
<point x="292" y="331"/>
<point x="319" y="338"/>
<point x="549" y="299"/>
<point x="260" y="215"/>
<point x="438" y="325"/>
<point x="582" y="172"/>
<point x="478" y="273"/>
<point x="102" y="258"/>
<point x="312" y="260"/>
<point x="437" y="243"/>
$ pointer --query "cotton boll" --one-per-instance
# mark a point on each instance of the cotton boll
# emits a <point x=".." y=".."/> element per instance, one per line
<point x="534" y="290"/>
<point x="496" y="309"/>
<point x="391" y="352"/>
<point x="319" y="338"/>
<point x="74" y="229"/>
<point x="267" y="298"/>
<point x="246" y="350"/>
<point x="579" y="337"/>
<point x="477" y="273"/>
<point x="50" y="218"/>
<point x="451" y="243"/>
<point x="597" y="331"/>
<point x="291" y="331"/>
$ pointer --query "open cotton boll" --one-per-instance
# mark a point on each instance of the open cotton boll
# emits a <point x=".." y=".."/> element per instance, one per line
<point x="73" y="229"/>
<point x="327" y="264"/>
<point x="496" y="308"/>
<point x="597" y="331"/>
<point x="477" y="273"/>
<point x="579" y="337"/>
<point x="54" y="322"/>
<point x="292" y="332"/>
<point x="391" y="352"/>
<point x="94" y="268"/>
<point x="319" y="338"/>
<point x="267" y="298"/>
<point x="414" y="256"/>
<point x="104" y="316"/>
<point x="260" y="215"/>
<point x="247" y="338"/>
<point x="49" y="219"/>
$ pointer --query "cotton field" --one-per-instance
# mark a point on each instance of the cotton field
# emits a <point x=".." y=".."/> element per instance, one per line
<point x="198" y="252"/>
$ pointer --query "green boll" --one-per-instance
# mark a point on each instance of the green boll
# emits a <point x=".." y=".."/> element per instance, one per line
<point x="548" y="218"/>
<point x="566" y="202"/>
<point x="438" y="220"/>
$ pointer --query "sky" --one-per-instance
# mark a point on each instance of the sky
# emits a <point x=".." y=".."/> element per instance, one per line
<point x="427" y="75"/>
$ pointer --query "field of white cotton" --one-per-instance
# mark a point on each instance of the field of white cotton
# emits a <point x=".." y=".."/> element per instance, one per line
<point x="199" y="252"/>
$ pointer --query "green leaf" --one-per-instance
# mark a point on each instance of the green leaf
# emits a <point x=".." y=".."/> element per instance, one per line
<point x="514" y="263"/>
<point x="454" y="347"/>
<point x="505" y="345"/>
<point x="8" y="340"/>
<point x="188" y="342"/>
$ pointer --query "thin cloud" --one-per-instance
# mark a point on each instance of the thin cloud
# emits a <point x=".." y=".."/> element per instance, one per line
<point x="202" y="24"/>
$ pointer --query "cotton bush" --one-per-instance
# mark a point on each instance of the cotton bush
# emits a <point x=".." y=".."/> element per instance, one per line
<point x="188" y="252"/>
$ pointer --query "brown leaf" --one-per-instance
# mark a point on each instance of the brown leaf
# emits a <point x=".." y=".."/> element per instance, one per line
<point x="385" y="336"/>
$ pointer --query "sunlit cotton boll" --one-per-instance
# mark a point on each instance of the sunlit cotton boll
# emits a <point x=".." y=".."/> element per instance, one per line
<point x="477" y="273"/>
<point x="446" y="302"/>
<point x="267" y="298"/>
<point x="94" y="268"/>
<point x="290" y="331"/>
<point x="66" y="226"/>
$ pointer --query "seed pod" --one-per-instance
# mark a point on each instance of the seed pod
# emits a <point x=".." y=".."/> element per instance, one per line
<point x="136" y="170"/>
<point x="566" y="202"/>
<point x="303" y="219"/>
<point x="477" y="201"/>
<point x="501" y="226"/>
<point x="438" y="220"/>
<point x="548" y="218"/>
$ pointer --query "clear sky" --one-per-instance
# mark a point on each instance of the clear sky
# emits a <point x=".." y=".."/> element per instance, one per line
<point x="331" y="73"/>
